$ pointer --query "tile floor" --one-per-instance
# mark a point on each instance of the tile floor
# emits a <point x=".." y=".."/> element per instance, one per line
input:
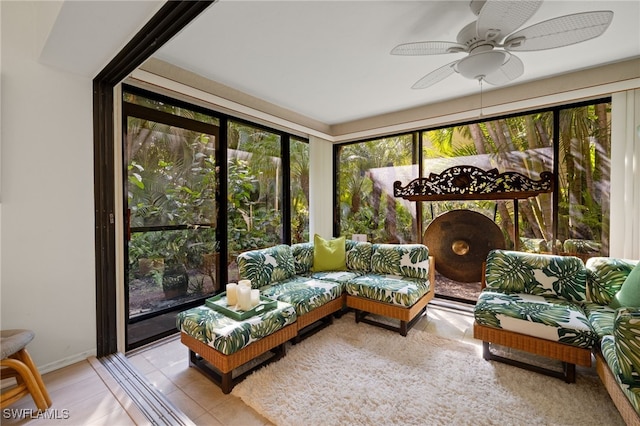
<point x="84" y="394"/>
<point x="81" y="395"/>
<point x="166" y="366"/>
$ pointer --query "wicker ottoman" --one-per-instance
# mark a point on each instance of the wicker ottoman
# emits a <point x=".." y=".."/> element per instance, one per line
<point x="218" y="345"/>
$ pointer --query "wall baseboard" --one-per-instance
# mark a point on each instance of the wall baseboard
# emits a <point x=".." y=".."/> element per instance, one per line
<point x="64" y="362"/>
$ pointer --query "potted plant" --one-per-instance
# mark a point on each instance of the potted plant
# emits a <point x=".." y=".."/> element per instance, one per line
<point x="145" y="258"/>
<point x="175" y="279"/>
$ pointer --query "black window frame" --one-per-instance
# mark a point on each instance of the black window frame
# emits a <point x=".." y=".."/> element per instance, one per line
<point x="418" y="154"/>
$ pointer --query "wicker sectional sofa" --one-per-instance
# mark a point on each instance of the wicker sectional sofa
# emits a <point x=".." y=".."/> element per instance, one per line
<point x="618" y="352"/>
<point x="392" y="280"/>
<point x="558" y="307"/>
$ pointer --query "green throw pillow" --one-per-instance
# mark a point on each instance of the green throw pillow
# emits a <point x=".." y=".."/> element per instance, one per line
<point x="329" y="255"/>
<point x="629" y="294"/>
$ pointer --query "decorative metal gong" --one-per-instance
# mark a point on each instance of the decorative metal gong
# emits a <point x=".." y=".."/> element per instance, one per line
<point x="459" y="241"/>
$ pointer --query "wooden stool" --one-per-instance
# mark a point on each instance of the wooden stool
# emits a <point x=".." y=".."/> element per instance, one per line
<point x="17" y="363"/>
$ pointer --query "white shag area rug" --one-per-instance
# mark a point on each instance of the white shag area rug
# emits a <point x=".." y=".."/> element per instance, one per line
<point x="357" y="374"/>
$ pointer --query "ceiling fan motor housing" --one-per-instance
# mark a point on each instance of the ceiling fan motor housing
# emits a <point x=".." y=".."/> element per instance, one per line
<point x="479" y="64"/>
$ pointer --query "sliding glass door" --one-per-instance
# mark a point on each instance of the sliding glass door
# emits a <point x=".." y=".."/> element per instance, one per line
<point x="171" y="188"/>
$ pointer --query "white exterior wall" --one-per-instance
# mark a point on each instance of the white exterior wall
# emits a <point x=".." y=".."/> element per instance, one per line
<point x="47" y="267"/>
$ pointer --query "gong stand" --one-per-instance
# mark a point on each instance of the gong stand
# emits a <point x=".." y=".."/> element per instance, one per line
<point x="473" y="183"/>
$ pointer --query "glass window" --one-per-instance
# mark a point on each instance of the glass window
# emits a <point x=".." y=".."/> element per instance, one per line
<point x="584" y="180"/>
<point x="366" y="173"/>
<point x="172" y="209"/>
<point x="254" y="184"/>
<point x="171" y="175"/>
<point x="571" y="220"/>
<point x="521" y="144"/>
<point x="182" y="245"/>
<point x="169" y="106"/>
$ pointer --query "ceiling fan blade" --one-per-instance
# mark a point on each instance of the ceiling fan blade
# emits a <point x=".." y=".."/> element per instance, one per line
<point x="499" y="18"/>
<point x="510" y="70"/>
<point x="435" y="76"/>
<point x="428" y="48"/>
<point x="562" y="31"/>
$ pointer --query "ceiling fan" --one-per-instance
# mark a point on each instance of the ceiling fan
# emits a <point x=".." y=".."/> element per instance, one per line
<point x="490" y="39"/>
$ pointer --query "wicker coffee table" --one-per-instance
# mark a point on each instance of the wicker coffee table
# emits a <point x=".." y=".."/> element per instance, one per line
<point x="219" y="345"/>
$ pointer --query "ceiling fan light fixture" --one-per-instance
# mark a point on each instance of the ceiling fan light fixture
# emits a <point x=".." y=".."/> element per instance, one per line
<point x="496" y="20"/>
<point x="477" y="66"/>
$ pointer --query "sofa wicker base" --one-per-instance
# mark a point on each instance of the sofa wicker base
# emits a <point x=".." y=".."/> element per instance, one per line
<point x="620" y="400"/>
<point x="220" y="367"/>
<point x="317" y="319"/>
<point x="569" y="355"/>
<point x="407" y="316"/>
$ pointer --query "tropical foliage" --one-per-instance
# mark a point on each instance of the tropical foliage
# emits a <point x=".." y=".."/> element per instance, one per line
<point x="173" y="181"/>
<point x="523" y="144"/>
<point x="365" y="199"/>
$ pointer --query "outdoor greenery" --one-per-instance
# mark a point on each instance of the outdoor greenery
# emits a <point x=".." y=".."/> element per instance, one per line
<point x="522" y="143"/>
<point x="173" y="197"/>
<point x="174" y="186"/>
<point x="366" y="203"/>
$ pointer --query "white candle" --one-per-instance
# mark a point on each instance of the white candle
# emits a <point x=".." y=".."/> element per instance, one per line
<point x="232" y="295"/>
<point x="244" y="298"/>
<point x="244" y="283"/>
<point x="255" y="297"/>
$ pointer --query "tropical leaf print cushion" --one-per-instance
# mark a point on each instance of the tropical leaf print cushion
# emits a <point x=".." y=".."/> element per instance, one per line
<point x="266" y="266"/>
<point x="409" y="260"/>
<point x="358" y="255"/>
<point x="336" y="276"/>
<point x="605" y="276"/>
<point x="543" y="275"/>
<point x="228" y="335"/>
<point x="600" y="317"/>
<point x="626" y="332"/>
<point x="544" y="317"/>
<point x="305" y="294"/>
<point x="402" y="291"/>
<point x="608" y="349"/>
<point x="302" y="258"/>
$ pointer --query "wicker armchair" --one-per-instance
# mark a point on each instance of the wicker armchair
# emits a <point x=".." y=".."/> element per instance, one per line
<point x="534" y="303"/>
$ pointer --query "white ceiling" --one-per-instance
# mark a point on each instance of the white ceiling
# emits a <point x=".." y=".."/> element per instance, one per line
<point x="328" y="60"/>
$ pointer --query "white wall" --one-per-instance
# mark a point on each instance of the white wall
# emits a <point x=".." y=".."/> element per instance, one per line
<point x="320" y="188"/>
<point x="47" y="240"/>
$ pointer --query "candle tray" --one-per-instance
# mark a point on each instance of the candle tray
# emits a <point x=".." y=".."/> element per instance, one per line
<point x="219" y="303"/>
